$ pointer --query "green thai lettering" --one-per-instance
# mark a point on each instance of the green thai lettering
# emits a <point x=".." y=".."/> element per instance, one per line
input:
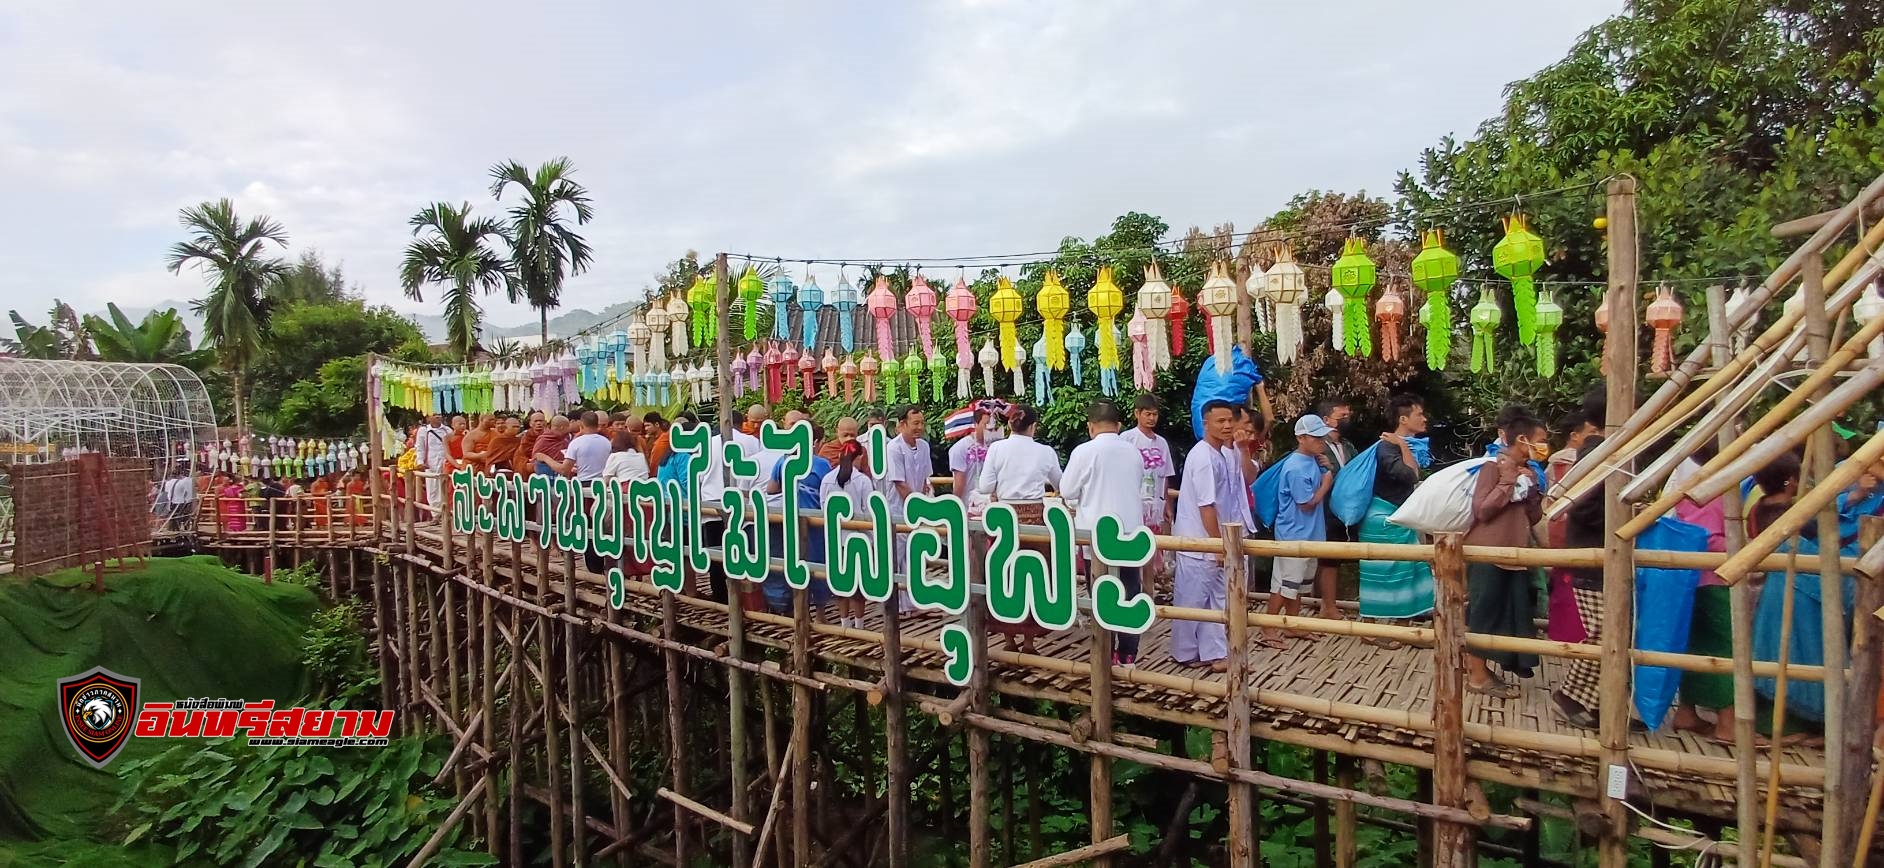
<point x="463" y="505"/>
<point x="1110" y="605"/>
<point x="542" y="495"/>
<point x="510" y="502"/>
<point x="939" y="535"/>
<point x="694" y="440"/>
<point x="617" y="588"/>
<point x="669" y="540"/>
<point x="605" y="517"/>
<point x="858" y="561"/>
<point x="572" y="522"/>
<point x="642" y="518"/>
<point x="1051" y="593"/>
<point x="1007" y="580"/>
<point x="797" y="446"/>
<point x="487" y="488"/>
<point x="961" y="652"/>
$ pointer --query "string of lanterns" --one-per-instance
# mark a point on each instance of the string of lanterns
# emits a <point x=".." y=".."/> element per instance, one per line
<point x="270" y="456"/>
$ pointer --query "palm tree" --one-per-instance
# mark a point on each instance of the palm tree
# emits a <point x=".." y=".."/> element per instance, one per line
<point x="543" y="248"/>
<point x="452" y="251"/>
<point x="160" y="338"/>
<point x="231" y="254"/>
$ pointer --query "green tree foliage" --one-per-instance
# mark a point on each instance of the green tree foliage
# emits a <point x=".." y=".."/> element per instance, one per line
<point x="233" y="256"/>
<point x="160" y="338"/>
<point x="311" y="280"/>
<point x="544" y="249"/>
<point x="312" y="379"/>
<point x="1732" y="116"/>
<point x="63" y="337"/>
<point x="453" y="250"/>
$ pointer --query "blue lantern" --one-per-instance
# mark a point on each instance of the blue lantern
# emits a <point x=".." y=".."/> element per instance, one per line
<point x="844" y="299"/>
<point x="810" y="299"/>
<point x="585" y="361"/>
<point x="781" y="289"/>
<point x="618" y="346"/>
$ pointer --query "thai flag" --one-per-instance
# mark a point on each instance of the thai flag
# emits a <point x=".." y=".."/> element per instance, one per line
<point x="962" y="422"/>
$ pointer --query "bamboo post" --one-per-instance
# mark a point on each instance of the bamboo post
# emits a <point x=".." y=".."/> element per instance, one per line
<point x="1346" y="776"/>
<point x="1838" y="832"/>
<point x="442" y="509"/>
<point x="1242" y="809"/>
<point x="453" y="695"/>
<point x="1746" y="784"/>
<point x="514" y="767"/>
<point x="411" y="518"/>
<point x="1100" y="774"/>
<point x="1452" y="842"/>
<point x="274" y="519"/>
<point x="487" y="646"/>
<point x="1770" y="825"/>
<point x="801" y="729"/>
<point x="572" y="683"/>
<point x="896" y="736"/>
<point x="617" y="722"/>
<point x="552" y="741"/>
<point x="1096" y="853"/>
<point x="1867" y="668"/>
<point x="389" y="666"/>
<point x="980" y="793"/>
<point x="375" y="486"/>
<point x="676" y="724"/>
<point x="736" y="613"/>
<point x="1619" y="563"/>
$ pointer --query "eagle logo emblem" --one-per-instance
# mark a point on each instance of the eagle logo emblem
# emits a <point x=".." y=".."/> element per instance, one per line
<point x="97" y="708"/>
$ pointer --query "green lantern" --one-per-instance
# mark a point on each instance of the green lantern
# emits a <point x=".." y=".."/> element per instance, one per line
<point x="892" y="369"/>
<point x="1353" y="276"/>
<point x="912" y="367"/>
<point x="938" y="374"/>
<point x="1486" y="315"/>
<point x="1549" y="317"/>
<point x="1517" y="257"/>
<point x="1434" y="271"/>
<point x="700" y="300"/>
<point x="751" y="286"/>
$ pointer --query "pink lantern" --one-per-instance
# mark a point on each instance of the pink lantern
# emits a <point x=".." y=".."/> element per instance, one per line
<point x="829" y="364"/>
<point x="869" y="368"/>
<point x="882" y="304"/>
<point x="739" y="374"/>
<point x="849" y="370"/>
<point x="921" y="303"/>
<point x="807" y="375"/>
<point x="774" y="385"/>
<point x="1139" y="329"/>
<point x="960" y="305"/>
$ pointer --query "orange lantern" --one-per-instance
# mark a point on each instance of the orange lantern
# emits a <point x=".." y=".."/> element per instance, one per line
<point x="1664" y="316"/>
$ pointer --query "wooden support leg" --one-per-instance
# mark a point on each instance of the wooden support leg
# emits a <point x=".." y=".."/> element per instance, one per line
<point x="896" y="736"/>
<point x="572" y="684"/>
<point x="980" y="795"/>
<point x="514" y="770"/>
<point x="676" y="726"/>
<point x="736" y="721"/>
<point x="1242" y="803"/>
<point x="1452" y="842"/>
<point x="1346" y="776"/>
<point x="801" y="731"/>
<point x="1099" y="649"/>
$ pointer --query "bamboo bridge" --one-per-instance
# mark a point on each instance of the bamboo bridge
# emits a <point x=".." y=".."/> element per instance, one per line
<point x="515" y="654"/>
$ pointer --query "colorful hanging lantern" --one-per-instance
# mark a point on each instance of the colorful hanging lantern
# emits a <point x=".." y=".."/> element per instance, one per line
<point x="844" y="300"/>
<point x="1549" y="318"/>
<point x="808" y="375"/>
<point x="1005" y="307"/>
<point x="751" y="287"/>
<point x="700" y="305"/>
<point x="1517" y="257"/>
<point x="869" y="366"/>
<point x="1106" y="301"/>
<point x="1868" y="307"/>
<point x="829" y="365"/>
<point x="1390" y="314"/>
<point x="739" y="367"/>
<point x="1218" y="299"/>
<point x="1434" y="271"/>
<point x="892" y="371"/>
<point x="920" y="300"/>
<point x="1154" y="302"/>
<point x="755" y="368"/>
<point x="1664" y="316"/>
<point x="1737" y="303"/>
<point x="1053" y="301"/>
<point x="989" y="357"/>
<point x="938" y="375"/>
<point x="676" y="322"/>
<point x="1180" y="309"/>
<point x="1337" y="336"/>
<point x="1486" y="315"/>
<point x="1042" y="371"/>
<point x="585" y="358"/>
<point x="810" y="301"/>
<point x="849" y="372"/>
<point x="1254" y="286"/>
<point x="656" y="356"/>
<point x="912" y="368"/>
<point x="882" y="304"/>
<point x="781" y="289"/>
<point x="775" y="373"/>
<point x="1354" y="276"/>
<point x="1141" y="351"/>
<point x="960" y="306"/>
<point x="1075" y="346"/>
<point x="1286" y="287"/>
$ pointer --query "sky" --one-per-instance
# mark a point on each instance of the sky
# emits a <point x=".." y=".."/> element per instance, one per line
<point x="870" y="131"/>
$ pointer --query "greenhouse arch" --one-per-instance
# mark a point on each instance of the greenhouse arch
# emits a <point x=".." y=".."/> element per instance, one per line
<point x="52" y="407"/>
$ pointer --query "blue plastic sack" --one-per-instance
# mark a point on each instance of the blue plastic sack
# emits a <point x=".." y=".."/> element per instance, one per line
<point x="1233" y="386"/>
<point x="1353" y="490"/>
<point x="1267" y="490"/>
<point x="1664" y="612"/>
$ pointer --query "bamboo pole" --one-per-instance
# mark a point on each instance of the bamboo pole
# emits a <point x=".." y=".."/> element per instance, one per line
<point x="1861" y="700"/>
<point x="1851" y="351"/>
<point x="980" y="844"/>
<point x="451" y="822"/>
<point x="741" y="828"/>
<point x="735" y="613"/>
<point x="572" y="684"/>
<point x="1746" y="786"/>
<point x="1619" y="565"/>
<point x="1345" y="849"/>
<point x="1826" y="483"/>
<point x="452" y="675"/>
<point x="1099" y="649"/>
<point x="1779" y="715"/>
<point x="1822" y="412"/>
<point x="676" y="725"/>
<point x="1452" y="843"/>
<point x="1242" y="849"/>
<point x="375" y="487"/>
<point x="1095" y="853"/>
<point x="1813" y="501"/>
<point x="1670" y="392"/>
<point x="896" y="736"/>
<point x="514" y="769"/>
<point x="552" y="741"/>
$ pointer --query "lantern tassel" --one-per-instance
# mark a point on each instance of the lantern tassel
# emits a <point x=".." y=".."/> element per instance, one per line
<point x="1288" y="332"/>
<point x="1157" y="351"/>
<point x="1053" y="332"/>
<point x="1010" y="346"/>
<point x="1438" y="330"/>
<point x="1524" y="301"/>
<point x="961" y="383"/>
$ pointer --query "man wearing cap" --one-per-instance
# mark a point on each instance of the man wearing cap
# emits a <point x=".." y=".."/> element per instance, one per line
<point x="1306" y="476"/>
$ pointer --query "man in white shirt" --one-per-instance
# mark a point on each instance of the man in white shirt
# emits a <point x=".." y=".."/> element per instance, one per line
<point x="432" y="456"/>
<point x="907" y="466"/>
<point x="1104" y="476"/>
<point x="1211" y="493"/>
<point x="1160" y="465"/>
<point x="584" y="458"/>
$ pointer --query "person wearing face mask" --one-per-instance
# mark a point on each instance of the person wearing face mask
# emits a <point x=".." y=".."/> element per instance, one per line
<point x="1539" y="451"/>
<point x="1507" y="499"/>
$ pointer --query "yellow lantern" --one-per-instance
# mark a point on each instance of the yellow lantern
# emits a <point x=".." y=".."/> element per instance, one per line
<point x="1053" y="302"/>
<point x="1106" y="300"/>
<point x="1005" y="307"/>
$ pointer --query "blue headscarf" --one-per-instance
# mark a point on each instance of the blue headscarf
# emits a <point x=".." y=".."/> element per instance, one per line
<point x="1537" y="467"/>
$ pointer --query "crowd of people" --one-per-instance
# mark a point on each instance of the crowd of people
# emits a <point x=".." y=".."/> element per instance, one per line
<point x="1126" y="469"/>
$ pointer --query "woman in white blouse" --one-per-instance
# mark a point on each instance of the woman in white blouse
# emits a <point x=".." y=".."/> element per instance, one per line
<point x="626" y="464"/>
<point x="1018" y="472"/>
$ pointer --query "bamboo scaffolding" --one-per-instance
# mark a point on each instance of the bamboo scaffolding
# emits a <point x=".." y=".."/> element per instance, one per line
<point x="1740" y="601"/>
<point x="1242" y="797"/>
<point x="1618" y="624"/>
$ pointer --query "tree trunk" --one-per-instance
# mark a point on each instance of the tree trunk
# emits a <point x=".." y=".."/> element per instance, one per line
<point x="241" y="408"/>
<point x="542" y="316"/>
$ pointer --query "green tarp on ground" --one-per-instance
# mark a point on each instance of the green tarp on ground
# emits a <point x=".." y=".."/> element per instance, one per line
<point x="186" y="627"/>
